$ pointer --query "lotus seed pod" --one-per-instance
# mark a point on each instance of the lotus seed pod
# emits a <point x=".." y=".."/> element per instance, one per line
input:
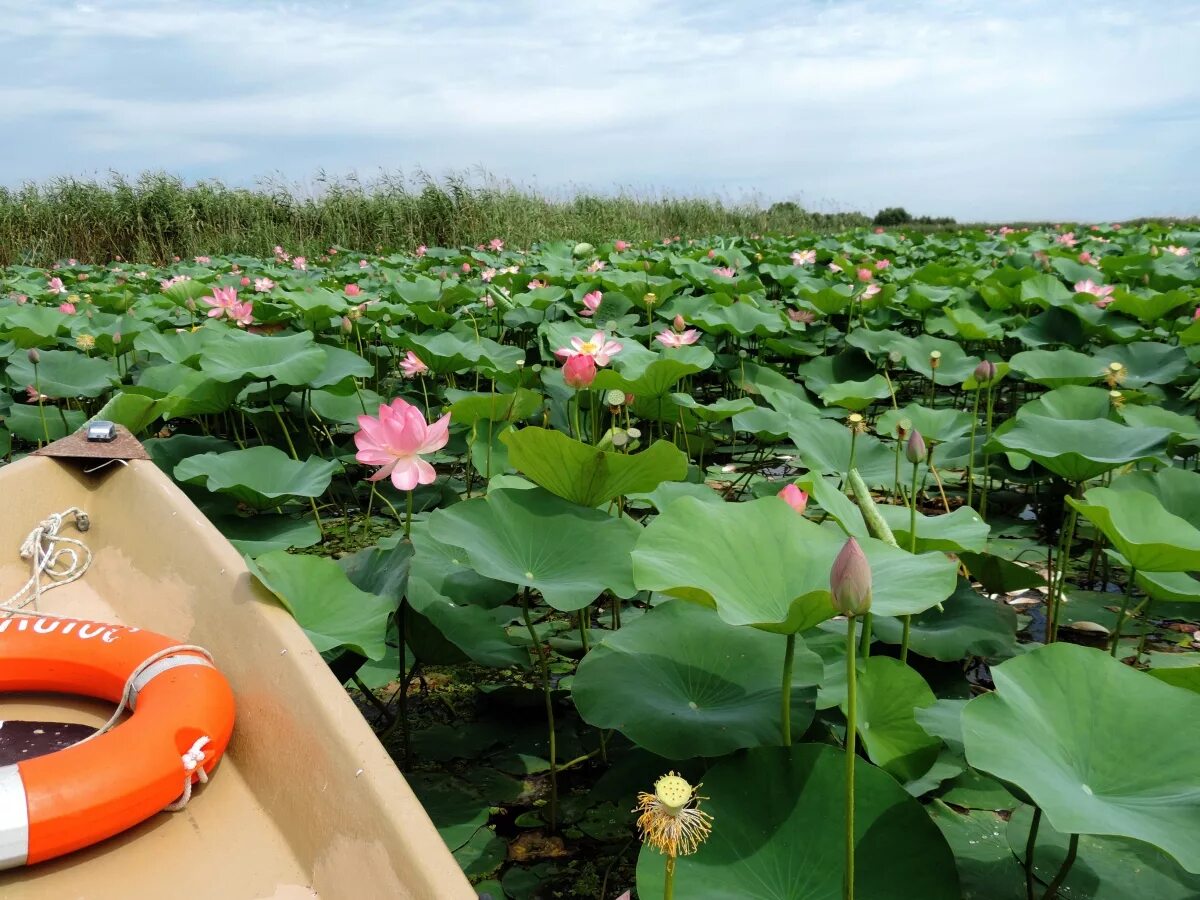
<point x="634" y="433"/>
<point x="650" y="299"/>
<point x="583" y="249"/>
<point x="850" y="580"/>
<point x="935" y="359"/>
<point x="619" y="438"/>
<point x="614" y="397"/>
<point x="914" y="450"/>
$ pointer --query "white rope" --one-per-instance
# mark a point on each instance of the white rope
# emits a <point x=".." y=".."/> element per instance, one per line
<point x="191" y="765"/>
<point x="60" y="564"/>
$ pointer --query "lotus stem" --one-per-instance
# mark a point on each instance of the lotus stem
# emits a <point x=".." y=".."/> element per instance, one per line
<point x="1142" y="638"/>
<point x="1072" y="849"/>
<point x="287" y="436"/>
<point x="983" y="496"/>
<point x="971" y="450"/>
<point x="669" y="879"/>
<point x="1059" y="584"/>
<point x="408" y="517"/>
<point x="1129" y="588"/>
<point x="912" y="548"/>
<point x="851" y="745"/>
<point x="584" y="617"/>
<point x="37" y="387"/>
<point x="544" y="665"/>
<point x="853" y="441"/>
<point x="785" y="690"/>
<point x="879" y="529"/>
<point x="1030" y="848"/>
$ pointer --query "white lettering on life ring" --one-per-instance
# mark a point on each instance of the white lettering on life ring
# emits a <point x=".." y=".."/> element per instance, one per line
<point x="82" y="630"/>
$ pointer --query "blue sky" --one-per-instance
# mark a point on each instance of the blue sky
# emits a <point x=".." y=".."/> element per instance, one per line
<point x="981" y="110"/>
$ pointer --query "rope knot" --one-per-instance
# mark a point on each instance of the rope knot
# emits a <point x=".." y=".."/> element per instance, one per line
<point x="195" y="755"/>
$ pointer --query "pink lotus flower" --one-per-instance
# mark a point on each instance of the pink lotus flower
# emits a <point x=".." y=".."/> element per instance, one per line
<point x="263" y="285"/>
<point x="362" y="264"/>
<point x="55" y="286"/>
<point x="725" y="272"/>
<point x="222" y="301"/>
<point x="33" y="396"/>
<point x="597" y="346"/>
<point x="1099" y="291"/>
<point x="794" y="497"/>
<point x="353" y="290"/>
<point x="280" y="255"/>
<point x="168" y="283"/>
<point x="466" y="267"/>
<point x="1086" y="257"/>
<point x="882" y="264"/>
<point x="621" y="246"/>
<point x="245" y="281"/>
<point x="20" y="298"/>
<point x="203" y="260"/>
<point x="396" y="440"/>
<point x="421" y="251"/>
<point x="487" y="274"/>
<point x="864" y="274"/>
<point x="596" y="265"/>
<point x="535" y="284"/>
<point x="669" y="338"/>
<point x="879" y="230"/>
<point x="591" y="302"/>
<point x="869" y="291"/>
<point x="496" y="244"/>
<point x="300" y="264"/>
<point x="803" y="257"/>
<point x="834" y="267"/>
<point x="68" y="308"/>
<point x="412" y="366"/>
<point x="579" y="372"/>
<point x="242" y="313"/>
<point x="1067" y="239"/>
<point x="72" y="262"/>
<point x="801" y="315"/>
<point x="1005" y="230"/>
<point x="1196" y="314"/>
<point x="1177" y="251"/>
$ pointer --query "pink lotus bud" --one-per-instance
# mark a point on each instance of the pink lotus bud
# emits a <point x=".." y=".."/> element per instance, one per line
<point x="579" y="371"/>
<point x="245" y="281"/>
<point x="353" y="290"/>
<point x="985" y="371"/>
<point x="850" y="580"/>
<point x="33" y="356"/>
<point x="678" y="324"/>
<point x="794" y="497"/>
<point x="914" y="450"/>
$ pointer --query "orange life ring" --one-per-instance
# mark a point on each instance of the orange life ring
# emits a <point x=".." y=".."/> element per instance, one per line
<point x="183" y="712"/>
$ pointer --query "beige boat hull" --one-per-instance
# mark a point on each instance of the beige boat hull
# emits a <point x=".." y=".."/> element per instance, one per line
<point x="306" y="803"/>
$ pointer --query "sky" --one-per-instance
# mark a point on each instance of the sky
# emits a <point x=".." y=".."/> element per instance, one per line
<point x="1010" y="110"/>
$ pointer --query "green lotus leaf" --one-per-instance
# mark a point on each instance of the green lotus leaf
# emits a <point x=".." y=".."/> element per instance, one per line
<point x="32" y="424"/>
<point x="340" y="365"/>
<point x="660" y="375"/>
<point x="1185" y="429"/>
<point x="939" y="425"/>
<point x="824" y="447"/>
<point x="888" y="692"/>
<point x="1149" y="308"/>
<point x="344" y="408"/>
<point x="451" y="351"/>
<point x="475" y="630"/>
<point x="588" y="476"/>
<point x="1176" y="489"/>
<point x="256" y="535"/>
<point x="288" y="359"/>
<point x="258" y="476"/>
<point x="856" y="395"/>
<point x="569" y="553"/>
<point x="331" y="610"/>
<point x="467" y="408"/>
<point x="132" y="409"/>
<point x="1059" y="726"/>
<point x="31" y="326"/>
<point x="681" y="683"/>
<point x="1175" y="587"/>
<point x="761" y="564"/>
<point x="180" y="347"/>
<point x="1073" y="401"/>
<point x="64" y="373"/>
<point x="1141" y="529"/>
<point x="776" y="834"/>
<point x="986" y="866"/>
<point x="1146" y="362"/>
<point x="1079" y="449"/>
<point x="717" y="411"/>
<point x="1055" y="368"/>
<point x="956" y="532"/>
<point x="970" y="625"/>
<point x="1105" y="868"/>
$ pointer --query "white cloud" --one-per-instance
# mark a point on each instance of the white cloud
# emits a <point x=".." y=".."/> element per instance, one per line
<point x="971" y="108"/>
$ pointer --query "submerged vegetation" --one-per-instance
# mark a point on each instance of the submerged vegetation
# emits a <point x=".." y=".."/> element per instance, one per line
<point x="857" y="564"/>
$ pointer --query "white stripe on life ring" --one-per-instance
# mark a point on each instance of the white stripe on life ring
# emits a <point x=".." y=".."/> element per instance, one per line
<point x="14" y="819"/>
<point x="163" y="665"/>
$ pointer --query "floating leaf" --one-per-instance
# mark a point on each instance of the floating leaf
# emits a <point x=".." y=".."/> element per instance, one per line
<point x="259" y="476"/>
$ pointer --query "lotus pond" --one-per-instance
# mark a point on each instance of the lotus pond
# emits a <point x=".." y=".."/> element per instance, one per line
<point x="753" y="567"/>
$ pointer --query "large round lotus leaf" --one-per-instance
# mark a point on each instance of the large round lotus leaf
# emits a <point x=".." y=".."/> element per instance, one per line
<point x="953" y="366"/>
<point x="188" y="392"/>
<point x="1071" y="402"/>
<point x="449" y="351"/>
<point x="681" y="683"/>
<point x="856" y="395"/>
<point x="1177" y="587"/>
<point x="1054" y="368"/>
<point x="1106" y="868"/>
<point x="331" y="610"/>
<point x="287" y="359"/>
<point x="777" y="834"/>
<point x="181" y="347"/>
<point x="64" y="373"/>
<point x="468" y="408"/>
<point x="824" y="446"/>
<point x="340" y="365"/>
<point x="888" y="693"/>
<point x="34" y="423"/>
<point x="961" y="530"/>
<point x="986" y="866"/>
<point x="569" y="553"/>
<point x="256" y="535"/>
<point x="934" y="424"/>
<point x="1141" y="530"/>
<point x="259" y="476"/>
<point x="761" y="564"/>
<point x="1146" y="362"/>
<point x="1079" y="449"/>
<point x="31" y="326"/>
<point x="1185" y="428"/>
<point x="658" y="377"/>
<point x="1100" y="747"/>
<point x="475" y="630"/>
<point x="588" y="476"/>
<point x="969" y="625"/>
<point x="1176" y="489"/>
